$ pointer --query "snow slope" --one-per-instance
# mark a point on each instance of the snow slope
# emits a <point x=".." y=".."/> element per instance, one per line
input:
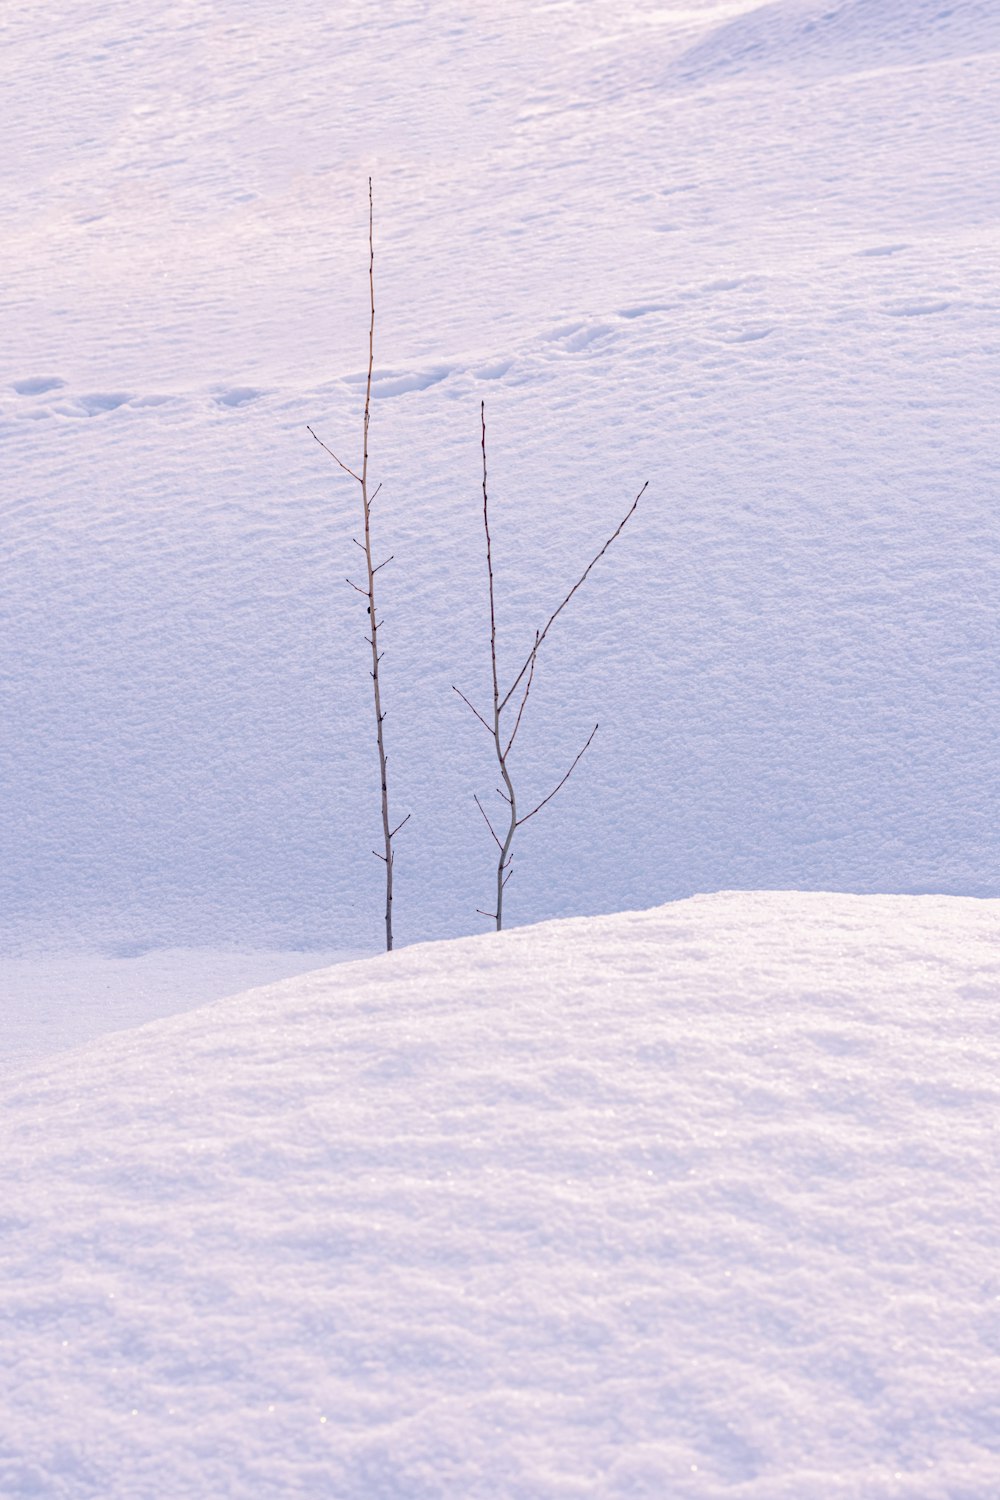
<point x="55" y="1003"/>
<point x="746" y="252"/>
<point x="823" y="38"/>
<point x="692" y="1203"/>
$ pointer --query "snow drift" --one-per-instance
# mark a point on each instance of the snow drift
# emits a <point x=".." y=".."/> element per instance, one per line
<point x="697" y="1202"/>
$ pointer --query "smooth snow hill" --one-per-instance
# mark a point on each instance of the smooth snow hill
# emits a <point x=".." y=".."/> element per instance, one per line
<point x="57" y="1003"/>
<point x="747" y="252"/>
<point x="697" y="1202"/>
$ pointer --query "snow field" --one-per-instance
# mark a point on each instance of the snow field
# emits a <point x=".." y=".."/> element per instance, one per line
<point x="693" y="1202"/>
<point x="748" y="253"/>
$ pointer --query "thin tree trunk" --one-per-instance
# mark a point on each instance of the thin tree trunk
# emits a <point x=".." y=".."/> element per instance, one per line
<point x="368" y="592"/>
<point x="501" y="756"/>
<point x="373" y="638"/>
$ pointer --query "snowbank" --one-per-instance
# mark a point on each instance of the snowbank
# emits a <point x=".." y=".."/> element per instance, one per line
<point x="691" y="1203"/>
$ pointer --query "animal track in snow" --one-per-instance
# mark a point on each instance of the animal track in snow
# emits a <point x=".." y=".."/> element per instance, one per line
<point x="743" y="335"/>
<point x="919" y="307"/>
<point x="878" y="250"/>
<point x="102" y="401"/>
<point x="576" y="336"/>
<point x="37" y="385"/>
<point x="403" y="382"/>
<point x="238" y="395"/>
<point x="93" y="404"/>
<point x="643" y="309"/>
<point x="388" y="383"/>
<point x="495" y="371"/>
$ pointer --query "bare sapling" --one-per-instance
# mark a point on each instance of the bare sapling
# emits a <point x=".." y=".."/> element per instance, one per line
<point x="511" y="703"/>
<point x="367" y="591"/>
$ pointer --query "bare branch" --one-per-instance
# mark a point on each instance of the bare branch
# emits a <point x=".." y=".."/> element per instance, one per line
<point x="582" y="579"/>
<point x="382" y="564"/>
<point x="400" y="825"/>
<point x="561" y="783"/>
<point x="359" y="589"/>
<point x="474" y="709"/>
<point x="491" y="914"/>
<point x="333" y="455"/>
<point x="524" y="700"/>
<point x="488" y="823"/>
<point x="489" y="569"/>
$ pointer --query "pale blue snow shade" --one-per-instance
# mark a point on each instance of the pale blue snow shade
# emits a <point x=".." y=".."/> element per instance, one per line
<point x="748" y="253"/>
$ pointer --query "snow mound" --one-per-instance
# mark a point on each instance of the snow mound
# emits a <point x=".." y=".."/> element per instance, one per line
<point x="822" y="38"/>
<point x="687" y="1203"/>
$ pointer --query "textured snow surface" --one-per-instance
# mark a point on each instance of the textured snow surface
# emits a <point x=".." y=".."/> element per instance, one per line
<point x="696" y="1202"/>
<point x="52" y="1004"/>
<point x="746" y="252"/>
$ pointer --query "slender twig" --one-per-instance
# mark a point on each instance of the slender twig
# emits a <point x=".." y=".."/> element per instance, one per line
<point x="524" y="700"/>
<point x="582" y="579"/>
<point x="388" y="833"/>
<point x="473" y="707"/>
<point x="334" y="456"/>
<point x="561" y="783"/>
<point x="487" y="818"/>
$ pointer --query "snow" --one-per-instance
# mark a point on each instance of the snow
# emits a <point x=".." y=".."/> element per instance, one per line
<point x="746" y="252"/>
<point x="55" y="1003"/>
<point x="687" y="1202"/>
<point x="696" y="1202"/>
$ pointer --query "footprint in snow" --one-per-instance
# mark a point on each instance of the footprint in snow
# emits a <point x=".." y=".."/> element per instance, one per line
<point x="37" y="385"/>
<point x="238" y="395"/>
<point x="642" y="309"/>
<point x="744" y="335"/>
<point x="919" y="307"/>
<point x="103" y="401"/>
<point x="97" y="404"/>
<point x="492" y="372"/>
<point x="877" y="250"/>
<point x="402" y="383"/>
<point x="577" y="336"/>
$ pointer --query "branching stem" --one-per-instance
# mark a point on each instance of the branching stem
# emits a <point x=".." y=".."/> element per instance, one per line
<point x="501" y="702"/>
